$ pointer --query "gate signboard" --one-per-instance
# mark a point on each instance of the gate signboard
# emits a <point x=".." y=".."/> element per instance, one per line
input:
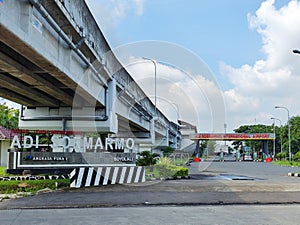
<point x="264" y="137"/>
<point x="234" y="136"/>
<point x="56" y="160"/>
<point x="64" y="150"/>
<point x="67" y="141"/>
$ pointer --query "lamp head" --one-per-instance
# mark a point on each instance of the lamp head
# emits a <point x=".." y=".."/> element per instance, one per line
<point x="296" y="51"/>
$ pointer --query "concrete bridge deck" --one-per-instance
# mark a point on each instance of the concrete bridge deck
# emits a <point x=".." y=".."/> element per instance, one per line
<point x="56" y="63"/>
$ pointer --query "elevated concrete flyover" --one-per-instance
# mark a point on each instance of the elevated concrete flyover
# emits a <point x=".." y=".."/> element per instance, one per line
<point x="56" y="63"/>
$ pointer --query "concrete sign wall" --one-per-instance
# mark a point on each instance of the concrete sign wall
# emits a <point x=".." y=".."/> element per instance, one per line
<point x="65" y="150"/>
<point x="66" y="141"/>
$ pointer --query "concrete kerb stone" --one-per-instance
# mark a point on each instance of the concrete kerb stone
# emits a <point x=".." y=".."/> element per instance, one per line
<point x="24" y="178"/>
<point x="294" y="174"/>
<point x="30" y="177"/>
<point x="168" y="178"/>
<point x="4" y="197"/>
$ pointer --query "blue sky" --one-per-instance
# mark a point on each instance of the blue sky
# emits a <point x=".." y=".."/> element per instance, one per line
<point x="226" y="61"/>
<point x="245" y="43"/>
<point x="215" y="31"/>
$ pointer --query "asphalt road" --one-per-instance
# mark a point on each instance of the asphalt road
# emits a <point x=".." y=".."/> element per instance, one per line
<point x="211" y="183"/>
<point x="217" y="193"/>
<point x="229" y="214"/>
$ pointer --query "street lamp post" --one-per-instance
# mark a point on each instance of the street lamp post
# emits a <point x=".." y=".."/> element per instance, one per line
<point x="177" y="115"/>
<point x="274" y="140"/>
<point x="273" y="118"/>
<point x="289" y="129"/>
<point x="154" y="63"/>
<point x="296" y="51"/>
<point x="225" y="126"/>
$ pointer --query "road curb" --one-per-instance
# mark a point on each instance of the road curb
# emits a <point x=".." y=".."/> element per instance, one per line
<point x="32" y="177"/>
<point x="168" y="178"/>
<point x="294" y="174"/>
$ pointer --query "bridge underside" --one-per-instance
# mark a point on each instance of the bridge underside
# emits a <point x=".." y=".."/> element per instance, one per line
<point x="36" y="82"/>
<point x="56" y="63"/>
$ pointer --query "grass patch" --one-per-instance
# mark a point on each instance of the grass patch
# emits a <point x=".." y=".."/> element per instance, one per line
<point x="2" y="171"/>
<point x="286" y="163"/>
<point x="151" y="171"/>
<point x="13" y="186"/>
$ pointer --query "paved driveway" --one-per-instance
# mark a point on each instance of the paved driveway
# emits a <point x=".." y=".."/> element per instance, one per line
<point x="267" y="184"/>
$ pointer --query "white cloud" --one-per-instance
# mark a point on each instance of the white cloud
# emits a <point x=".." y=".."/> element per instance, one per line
<point x="257" y="87"/>
<point x="139" y="7"/>
<point x="273" y="80"/>
<point x="196" y="98"/>
<point x="109" y="13"/>
<point x="279" y="29"/>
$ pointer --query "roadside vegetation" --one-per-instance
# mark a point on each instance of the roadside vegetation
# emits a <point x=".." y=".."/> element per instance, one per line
<point x="165" y="168"/>
<point x="9" y="117"/>
<point x="286" y="163"/>
<point x="32" y="186"/>
<point x="2" y="171"/>
<point x="282" y="159"/>
<point x="281" y="141"/>
<point x="162" y="167"/>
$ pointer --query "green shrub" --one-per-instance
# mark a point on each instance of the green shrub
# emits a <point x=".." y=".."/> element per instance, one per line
<point x="182" y="171"/>
<point x="167" y="150"/>
<point x="165" y="168"/>
<point x="281" y="155"/>
<point x="147" y="159"/>
<point x="296" y="157"/>
<point x="170" y="170"/>
<point x="165" y="171"/>
<point x="165" y="161"/>
<point x="2" y="171"/>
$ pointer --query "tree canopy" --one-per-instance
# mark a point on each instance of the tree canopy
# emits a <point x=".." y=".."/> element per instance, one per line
<point x="281" y="134"/>
<point x="9" y="117"/>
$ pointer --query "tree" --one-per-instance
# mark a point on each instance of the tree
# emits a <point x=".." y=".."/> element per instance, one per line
<point x="295" y="135"/>
<point x="281" y="155"/>
<point x="255" y="145"/>
<point x="296" y="157"/>
<point x="9" y="117"/>
<point x="147" y="159"/>
<point x="281" y="133"/>
<point x="167" y="150"/>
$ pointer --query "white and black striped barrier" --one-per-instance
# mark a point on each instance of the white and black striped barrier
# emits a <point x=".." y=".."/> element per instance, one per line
<point x="96" y="176"/>
<point x="294" y="174"/>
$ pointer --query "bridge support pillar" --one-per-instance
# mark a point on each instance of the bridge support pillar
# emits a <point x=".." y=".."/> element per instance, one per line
<point x="265" y="149"/>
